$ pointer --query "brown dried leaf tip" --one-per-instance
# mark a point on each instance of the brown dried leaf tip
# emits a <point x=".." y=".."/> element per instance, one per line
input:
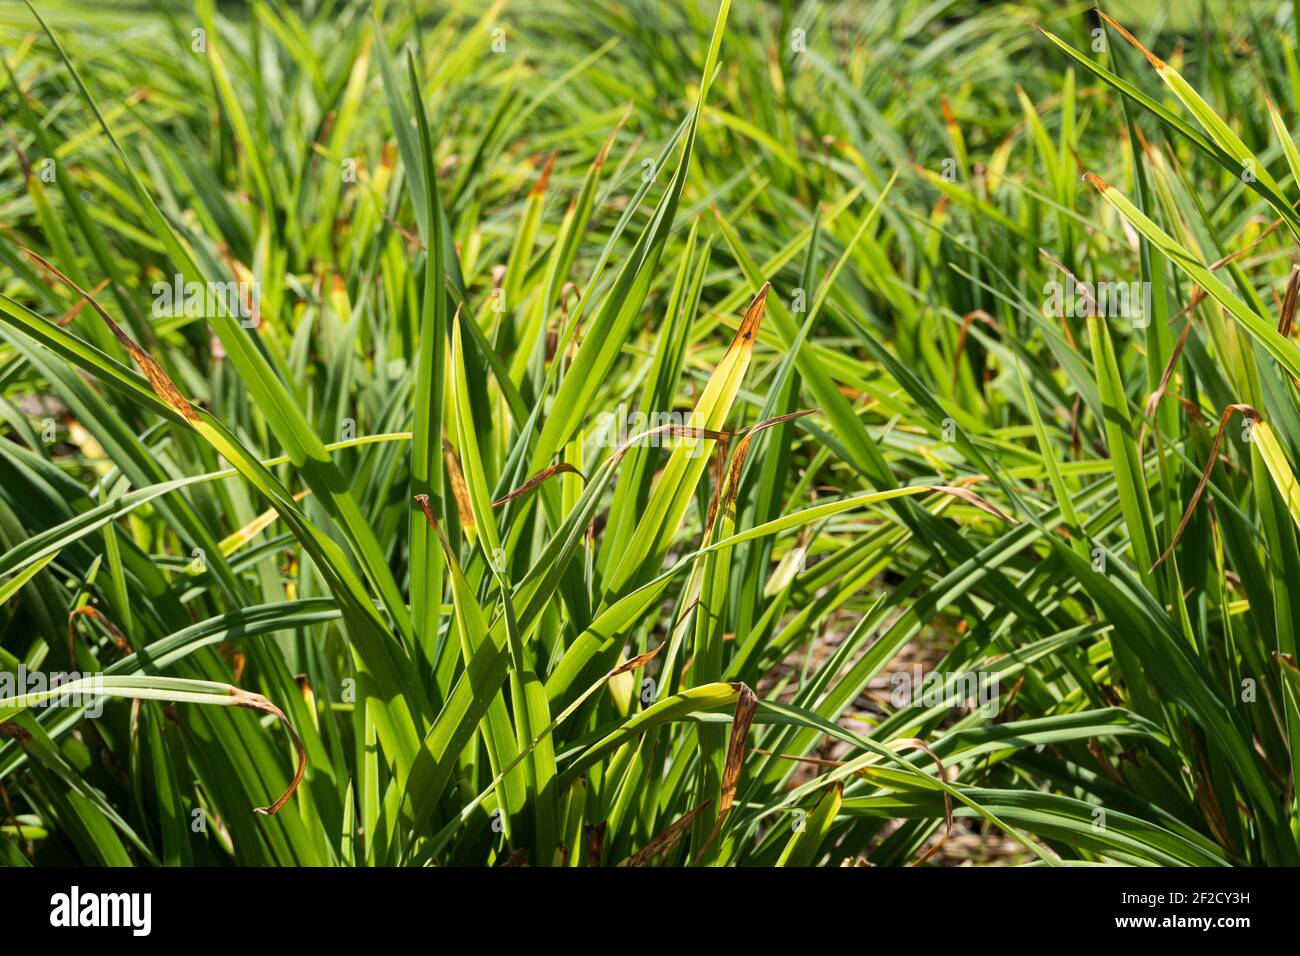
<point x="639" y="661"/>
<point x="87" y="610"/>
<point x="667" y="839"/>
<point x="737" y="466"/>
<point x="746" y="708"/>
<point x="1154" y="60"/>
<point x="257" y="702"/>
<point x="159" y="380"/>
<point x="1096" y="181"/>
<point x="559" y="468"/>
<point x="915" y="743"/>
<point x="968" y="496"/>
<point x="1247" y="412"/>
<point x="1289" y="299"/>
<point x="540" y="186"/>
<point x="459" y="490"/>
<point x="748" y="330"/>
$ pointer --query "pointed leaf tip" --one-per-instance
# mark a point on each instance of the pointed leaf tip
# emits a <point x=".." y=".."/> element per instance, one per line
<point x="748" y="330"/>
<point x="1154" y="60"/>
<point x="539" y="188"/>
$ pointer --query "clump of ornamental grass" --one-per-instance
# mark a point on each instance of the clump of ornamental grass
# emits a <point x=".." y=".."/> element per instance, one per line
<point x="649" y="435"/>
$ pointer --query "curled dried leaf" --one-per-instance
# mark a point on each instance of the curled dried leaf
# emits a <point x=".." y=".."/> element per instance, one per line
<point x="95" y="614"/>
<point x="979" y="315"/>
<point x="559" y="468"/>
<point x="244" y="698"/>
<point x="915" y="743"/>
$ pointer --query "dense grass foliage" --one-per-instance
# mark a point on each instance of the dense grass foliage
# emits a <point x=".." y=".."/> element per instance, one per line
<point x="656" y="433"/>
